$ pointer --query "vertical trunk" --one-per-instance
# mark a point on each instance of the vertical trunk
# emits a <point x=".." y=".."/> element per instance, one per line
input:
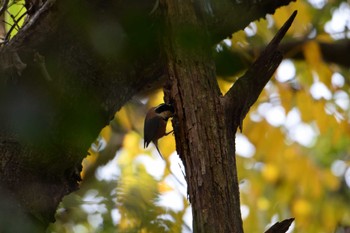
<point x="203" y="140"/>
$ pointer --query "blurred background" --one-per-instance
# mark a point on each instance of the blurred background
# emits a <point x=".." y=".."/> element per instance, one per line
<point x="293" y="154"/>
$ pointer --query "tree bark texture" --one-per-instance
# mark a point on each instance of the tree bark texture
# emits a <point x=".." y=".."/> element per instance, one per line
<point x="75" y="63"/>
<point x="205" y="122"/>
<point x="200" y="129"/>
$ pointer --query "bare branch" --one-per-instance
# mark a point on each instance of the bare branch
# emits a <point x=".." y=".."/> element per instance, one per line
<point x="230" y="16"/>
<point x="4" y="7"/>
<point x="15" y="24"/>
<point x="34" y="25"/>
<point x="247" y="89"/>
<point x="334" y="52"/>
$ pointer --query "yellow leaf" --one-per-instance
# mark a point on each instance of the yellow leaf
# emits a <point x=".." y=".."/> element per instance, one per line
<point x="131" y="139"/>
<point x="255" y="132"/>
<point x="305" y="103"/>
<point x="270" y="173"/>
<point x="164" y="187"/>
<point x="330" y="181"/>
<point x="287" y="97"/>
<point x="314" y="59"/>
<point x="290" y="154"/>
<point x="273" y="153"/>
<point x="224" y="85"/>
<point x="312" y="53"/>
<point x="88" y="162"/>
<point x="304" y="74"/>
<point x="324" y="37"/>
<point x="239" y="40"/>
<point x="329" y="217"/>
<point x="302" y="22"/>
<point x="106" y="133"/>
<point x="15" y="10"/>
<point x="324" y="121"/>
<point x="167" y="145"/>
<point x="123" y="118"/>
<point x="301" y="208"/>
<point x="263" y="203"/>
<point x="156" y="99"/>
<point x="131" y="144"/>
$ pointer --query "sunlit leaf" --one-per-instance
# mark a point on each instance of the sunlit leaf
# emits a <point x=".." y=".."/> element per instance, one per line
<point x="301" y="24"/>
<point x="15" y="16"/>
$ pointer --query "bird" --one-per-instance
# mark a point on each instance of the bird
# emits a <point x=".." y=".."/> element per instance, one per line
<point x="155" y="124"/>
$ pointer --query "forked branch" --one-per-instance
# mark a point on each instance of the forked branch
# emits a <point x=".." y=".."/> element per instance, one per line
<point x="246" y="90"/>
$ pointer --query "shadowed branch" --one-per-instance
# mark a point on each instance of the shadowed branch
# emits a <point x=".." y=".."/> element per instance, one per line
<point x="247" y="89"/>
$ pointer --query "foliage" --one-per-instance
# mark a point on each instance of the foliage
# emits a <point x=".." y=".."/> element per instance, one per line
<point x="14" y="18"/>
<point x="293" y="155"/>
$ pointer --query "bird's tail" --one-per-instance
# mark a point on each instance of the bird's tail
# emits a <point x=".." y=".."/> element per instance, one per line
<point x="156" y="145"/>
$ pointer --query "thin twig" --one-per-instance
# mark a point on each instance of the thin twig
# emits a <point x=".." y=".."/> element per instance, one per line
<point x="246" y="90"/>
<point x="15" y="23"/>
<point x="19" y="10"/>
<point x="23" y="35"/>
<point x="4" y="7"/>
<point x="13" y="17"/>
<point x="2" y="39"/>
<point x="5" y="22"/>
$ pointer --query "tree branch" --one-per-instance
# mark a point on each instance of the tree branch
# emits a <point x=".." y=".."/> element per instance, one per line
<point x="337" y="52"/>
<point x="30" y="35"/>
<point x="232" y="16"/>
<point x="4" y="7"/>
<point x="224" y="18"/>
<point x="247" y="89"/>
<point x="39" y="24"/>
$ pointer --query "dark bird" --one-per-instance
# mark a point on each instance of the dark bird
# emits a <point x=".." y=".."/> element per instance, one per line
<point x="155" y="124"/>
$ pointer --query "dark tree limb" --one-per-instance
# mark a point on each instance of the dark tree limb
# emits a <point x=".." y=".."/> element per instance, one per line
<point x="337" y="52"/>
<point x="86" y="90"/>
<point x="247" y="89"/>
<point x="39" y="24"/>
<point x="280" y="227"/>
<point x="4" y="7"/>
<point x="232" y="16"/>
<point x="226" y="18"/>
<point x="29" y="36"/>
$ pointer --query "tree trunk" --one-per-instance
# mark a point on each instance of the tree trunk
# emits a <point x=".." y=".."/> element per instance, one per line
<point x="63" y="78"/>
<point x="205" y="122"/>
<point x="202" y="138"/>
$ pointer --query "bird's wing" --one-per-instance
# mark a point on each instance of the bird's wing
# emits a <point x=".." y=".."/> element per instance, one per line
<point x="150" y="130"/>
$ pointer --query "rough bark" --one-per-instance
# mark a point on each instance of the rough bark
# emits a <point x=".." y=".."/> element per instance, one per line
<point x="199" y="125"/>
<point x="59" y="86"/>
<point x="205" y="122"/>
<point x="225" y="17"/>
